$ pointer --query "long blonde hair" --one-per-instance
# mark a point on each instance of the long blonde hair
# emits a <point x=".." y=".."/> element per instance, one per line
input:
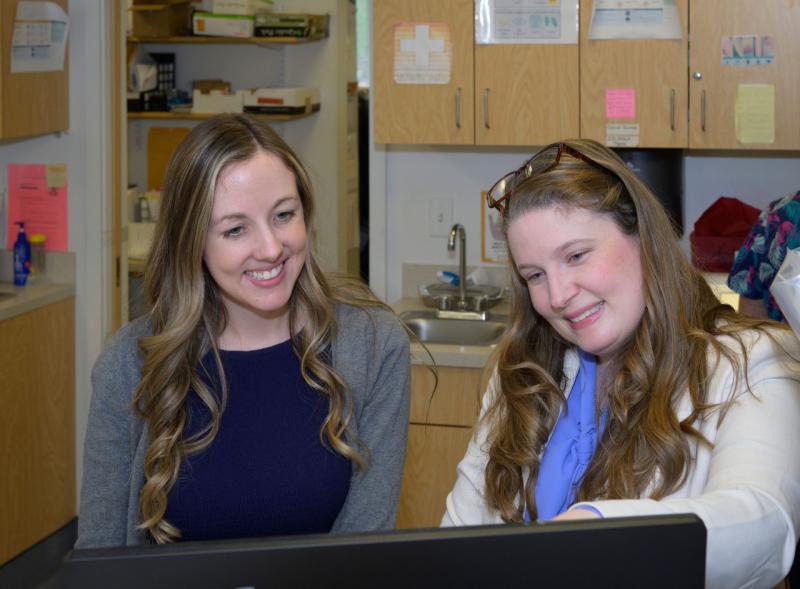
<point x="187" y="314"/>
<point x="644" y="447"/>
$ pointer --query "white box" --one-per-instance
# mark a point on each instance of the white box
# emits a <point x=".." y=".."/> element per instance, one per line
<point x="216" y="101"/>
<point x="281" y="100"/>
<point x="222" y="25"/>
<point x="241" y="7"/>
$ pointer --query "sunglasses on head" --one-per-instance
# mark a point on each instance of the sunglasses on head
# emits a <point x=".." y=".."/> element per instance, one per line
<point x="500" y="193"/>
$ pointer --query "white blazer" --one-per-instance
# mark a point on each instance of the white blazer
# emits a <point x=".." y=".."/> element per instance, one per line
<point x="746" y="488"/>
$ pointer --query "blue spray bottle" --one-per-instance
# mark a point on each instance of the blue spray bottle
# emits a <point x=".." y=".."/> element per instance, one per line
<point x="22" y="256"/>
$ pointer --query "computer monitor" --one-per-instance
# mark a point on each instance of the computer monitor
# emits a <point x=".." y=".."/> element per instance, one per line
<point x="654" y="552"/>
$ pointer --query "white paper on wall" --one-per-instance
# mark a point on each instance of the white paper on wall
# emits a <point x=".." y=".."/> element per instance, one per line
<point x="526" y="22"/>
<point x="622" y="134"/>
<point x="635" y="19"/>
<point x="40" y="37"/>
<point x="423" y="53"/>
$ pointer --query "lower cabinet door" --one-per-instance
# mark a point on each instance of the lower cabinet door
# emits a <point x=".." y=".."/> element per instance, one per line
<point x="37" y="425"/>
<point x="432" y="454"/>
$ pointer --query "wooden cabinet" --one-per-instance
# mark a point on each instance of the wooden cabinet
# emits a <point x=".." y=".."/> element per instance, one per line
<point x="432" y="112"/>
<point x="493" y="95"/>
<point x="526" y="94"/>
<point x="31" y="103"/>
<point x="37" y="425"/>
<point x="697" y="110"/>
<point x="440" y="428"/>
<point x="685" y="93"/>
<point x="713" y="86"/>
<point x="655" y="70"/>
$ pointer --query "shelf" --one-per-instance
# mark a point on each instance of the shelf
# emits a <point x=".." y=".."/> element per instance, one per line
<point x="211" y="40"/>
<point x="193" y="116"/>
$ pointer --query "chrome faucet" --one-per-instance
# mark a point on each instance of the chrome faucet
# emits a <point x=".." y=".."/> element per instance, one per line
<point x="458" y="229"/>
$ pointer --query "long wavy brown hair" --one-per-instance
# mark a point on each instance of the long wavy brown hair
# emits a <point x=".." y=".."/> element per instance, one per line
<point x="644" y="447"/>
<point x="187" y="313"/>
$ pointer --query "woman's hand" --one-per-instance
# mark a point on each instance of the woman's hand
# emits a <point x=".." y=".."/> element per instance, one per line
<point x="576" y="513"/>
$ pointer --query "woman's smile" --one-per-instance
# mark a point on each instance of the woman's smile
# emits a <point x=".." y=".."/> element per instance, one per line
<point x="262" y="275"/>
<point x="586" y="317"/>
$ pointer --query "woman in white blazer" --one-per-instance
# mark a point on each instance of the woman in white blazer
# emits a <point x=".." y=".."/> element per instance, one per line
<point x="622" y="386"/>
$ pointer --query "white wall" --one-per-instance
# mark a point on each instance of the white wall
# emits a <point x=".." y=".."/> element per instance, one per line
<point x="84" y="148"/>
<point x="412" y="178"/>
<point x="404" y="179"/>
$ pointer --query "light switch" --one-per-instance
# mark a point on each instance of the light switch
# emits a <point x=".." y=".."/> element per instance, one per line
<point x="440" y="216"/>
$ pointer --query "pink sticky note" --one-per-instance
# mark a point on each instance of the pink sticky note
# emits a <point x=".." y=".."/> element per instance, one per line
<point x="620" y="103"/>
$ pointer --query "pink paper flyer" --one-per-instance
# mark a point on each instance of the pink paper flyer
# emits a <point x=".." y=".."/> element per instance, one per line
<point x="37" y="195"/>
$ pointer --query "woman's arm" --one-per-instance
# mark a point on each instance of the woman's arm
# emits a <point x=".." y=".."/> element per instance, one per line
<point x="108" y="450"/>
<point x="382" y="427"/>
<point x="746" y="489"/>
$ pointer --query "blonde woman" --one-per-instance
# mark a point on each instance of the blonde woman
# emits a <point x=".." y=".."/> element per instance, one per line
<point x="622" y="386"/>
<point x="257" y="396"/>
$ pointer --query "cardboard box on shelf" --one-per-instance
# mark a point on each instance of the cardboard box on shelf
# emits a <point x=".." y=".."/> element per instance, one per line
<point x="216" y="101"/>
<point x="280" y="100"/>
<point x="168" y="18"/>
<point x="241" y="7"/>
<point x="222" y="25"/>
<point x="278" y="24"/>
<point x="208" y="85"/>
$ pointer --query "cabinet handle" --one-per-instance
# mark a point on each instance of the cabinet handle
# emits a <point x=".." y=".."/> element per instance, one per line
<point x="486" y="108"/>
<point x="458" y="108"/>
<point x="703" y="111"/>
<point x="672" y="110"/>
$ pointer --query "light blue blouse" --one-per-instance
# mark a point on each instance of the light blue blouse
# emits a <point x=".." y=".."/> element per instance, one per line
<point x="571" y="445"/>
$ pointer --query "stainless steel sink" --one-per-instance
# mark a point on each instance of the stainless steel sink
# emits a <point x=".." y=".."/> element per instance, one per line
<point x="463" y="332"/>
<point x="446" y="296"/>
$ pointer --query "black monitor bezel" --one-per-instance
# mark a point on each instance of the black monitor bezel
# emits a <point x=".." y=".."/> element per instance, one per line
<point x="653" y="551"/>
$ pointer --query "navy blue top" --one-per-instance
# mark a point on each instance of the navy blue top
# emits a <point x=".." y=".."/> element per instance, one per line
<point x="266" y="472"/>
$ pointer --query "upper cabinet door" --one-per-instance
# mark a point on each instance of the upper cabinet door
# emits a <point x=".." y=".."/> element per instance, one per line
<point x="31" y="102"/>
<point x="738" y="29"/>
<point x="423" y="71"/>
<point x="652" y="72"/>
<point x="526" y="94"/>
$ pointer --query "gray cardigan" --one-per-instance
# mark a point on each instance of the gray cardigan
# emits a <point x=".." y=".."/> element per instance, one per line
<point x="370" y="352"/>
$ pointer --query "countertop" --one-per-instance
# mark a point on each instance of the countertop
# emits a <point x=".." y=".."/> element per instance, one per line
<point x="31" y="296"/>
<point x="447" y="354"/>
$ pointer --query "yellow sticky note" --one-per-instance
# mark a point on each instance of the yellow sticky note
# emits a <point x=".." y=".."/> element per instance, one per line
<point x="755" y="113"/>
<point x="56" y="175"/>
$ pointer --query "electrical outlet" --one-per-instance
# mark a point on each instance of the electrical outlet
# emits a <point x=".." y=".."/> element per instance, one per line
<point x="440" y="216"/>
